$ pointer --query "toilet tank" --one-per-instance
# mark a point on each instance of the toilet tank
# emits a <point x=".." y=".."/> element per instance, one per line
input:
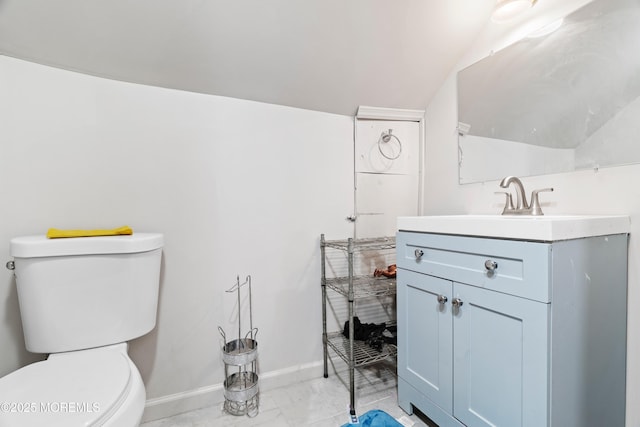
<point x="84" y="292"/>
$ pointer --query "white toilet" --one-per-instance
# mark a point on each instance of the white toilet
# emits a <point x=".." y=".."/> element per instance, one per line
<point x="81" y="300"/>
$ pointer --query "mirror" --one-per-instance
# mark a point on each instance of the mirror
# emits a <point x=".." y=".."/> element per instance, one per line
<point x="559" y="102"/>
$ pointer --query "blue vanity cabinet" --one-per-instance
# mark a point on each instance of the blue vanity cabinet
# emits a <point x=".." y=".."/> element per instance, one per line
<point x="511" y="333"/>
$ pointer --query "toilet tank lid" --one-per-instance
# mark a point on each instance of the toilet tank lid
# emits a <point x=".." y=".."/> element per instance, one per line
<point x="41" y="246"/>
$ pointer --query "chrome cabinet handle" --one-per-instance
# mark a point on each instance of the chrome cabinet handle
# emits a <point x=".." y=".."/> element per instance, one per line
<point x="442" y="299"/>
<point x="491" y="265"/>
<point x="457" y="302"/>
<point x="418" y="253"/>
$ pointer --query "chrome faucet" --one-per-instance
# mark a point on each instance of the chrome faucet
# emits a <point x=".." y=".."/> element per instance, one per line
<point x="521" y="207"/>
<point x="521" y="199"/>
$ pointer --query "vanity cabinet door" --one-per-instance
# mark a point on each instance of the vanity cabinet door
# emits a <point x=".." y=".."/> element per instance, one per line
<point x="500" y="359"/>
<point x="425" y="335"/>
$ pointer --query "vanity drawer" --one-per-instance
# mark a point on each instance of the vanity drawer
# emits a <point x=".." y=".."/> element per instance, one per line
<point x="521" y="268"/>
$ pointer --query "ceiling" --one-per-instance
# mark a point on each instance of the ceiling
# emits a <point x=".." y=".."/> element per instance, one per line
<point x="324" y="55"/>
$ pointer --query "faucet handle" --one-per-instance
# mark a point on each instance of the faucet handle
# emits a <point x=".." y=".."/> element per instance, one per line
<point x="535" y="202"/>
<point x="508" y="203"/>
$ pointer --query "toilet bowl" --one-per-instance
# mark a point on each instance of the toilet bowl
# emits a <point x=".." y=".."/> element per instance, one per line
<point x="81" y="300"/>
<point x="95" y="387"/>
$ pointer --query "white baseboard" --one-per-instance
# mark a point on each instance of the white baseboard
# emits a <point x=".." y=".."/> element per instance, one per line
<point x="190" y="400"/>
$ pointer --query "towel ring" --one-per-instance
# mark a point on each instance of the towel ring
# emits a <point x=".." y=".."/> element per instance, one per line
<point x="386" y="137"/>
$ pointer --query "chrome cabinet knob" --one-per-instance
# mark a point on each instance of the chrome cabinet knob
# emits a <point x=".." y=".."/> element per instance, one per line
<point x="442" y="299"/>
<point x="457" y="302"/>
<point x="418" y="253"/>
<point x="491" y="265"/>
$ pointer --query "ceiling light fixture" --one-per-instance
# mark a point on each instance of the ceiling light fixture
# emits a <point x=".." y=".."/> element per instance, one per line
<point x="506" y="10"/>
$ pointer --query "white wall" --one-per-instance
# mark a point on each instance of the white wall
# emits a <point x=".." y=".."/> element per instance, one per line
<point x="609" y="191"/>
<point x="237" y="187"/>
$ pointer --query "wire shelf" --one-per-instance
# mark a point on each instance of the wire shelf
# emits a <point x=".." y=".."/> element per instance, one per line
<point x="355" y="283"/>
<point x="363" y="354"/>
<point x="363" y="286"/>
<point x="369" y="244"/>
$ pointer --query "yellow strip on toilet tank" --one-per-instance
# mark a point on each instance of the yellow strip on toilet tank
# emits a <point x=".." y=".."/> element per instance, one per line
<point x="54" y="233"/>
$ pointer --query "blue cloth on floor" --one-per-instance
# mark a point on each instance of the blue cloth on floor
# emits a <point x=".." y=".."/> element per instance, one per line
<point x="375" y="418"/>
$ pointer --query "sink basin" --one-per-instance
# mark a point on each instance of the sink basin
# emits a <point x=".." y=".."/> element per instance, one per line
<point x="546" y="228"/>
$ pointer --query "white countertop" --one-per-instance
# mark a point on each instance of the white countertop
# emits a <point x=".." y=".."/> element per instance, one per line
<point x="545" y="228"/>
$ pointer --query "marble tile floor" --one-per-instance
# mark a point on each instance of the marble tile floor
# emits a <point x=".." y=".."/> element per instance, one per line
<point x="320" y="402"/>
